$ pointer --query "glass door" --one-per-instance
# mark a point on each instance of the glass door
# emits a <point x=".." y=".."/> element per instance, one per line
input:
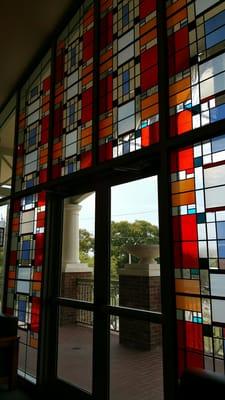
<point x="136" y="366"/>
<point x="109" y="320"/>
<point x="75" y="320"/>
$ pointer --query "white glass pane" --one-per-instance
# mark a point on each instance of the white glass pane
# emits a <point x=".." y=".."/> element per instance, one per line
<point x="72" y="78"/>
<point x="202" y="5"/>
<point x="33" y="118"/>
<point x="212" y="67"/>
<point x="27" y="222"/>
<point x="126" y="110"/>
<point x="211" y="230"/>
<point x="211" y="86"/>
<point x="126" y="39"/>
<point x="24" y="273"/>
<point x="218" y="313"/>
<point x="215" y="197"/>
<point x="201" y="232"/>
<point x="34" y="106"/>
<point x="217" y="284"/>
<point x="23" y="287"/>
<point x="212" y="246"/>
<point x="198" y="178"/>
<point x="30" y="162"/>
<point x="72" y="91"/>
<point x="200" y="202"/>
<point x="71" y="144"/>
<point x="202" y="247"/>
<point x="126" y="125"/>
<point x="125" y="55"/>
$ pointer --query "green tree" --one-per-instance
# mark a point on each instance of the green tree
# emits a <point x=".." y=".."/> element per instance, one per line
<point x="122" y="233"/>
<point x="126" y="233"/>
<point x="86" y="247"/>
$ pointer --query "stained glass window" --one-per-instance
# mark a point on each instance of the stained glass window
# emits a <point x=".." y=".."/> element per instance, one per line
<point x="25" y="276"/>
<point x="196" y="36"/>
<point x="32" y="149"/>
<point x="128" y="86"/>
<point x="72" y="148"/>
<point x="198" y="207"/>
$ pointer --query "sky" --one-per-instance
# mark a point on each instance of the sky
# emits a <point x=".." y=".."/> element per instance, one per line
<point x="136" y="200"/>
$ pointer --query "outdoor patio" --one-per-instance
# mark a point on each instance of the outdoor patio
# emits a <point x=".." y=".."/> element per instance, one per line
<point x="134" y="374"/>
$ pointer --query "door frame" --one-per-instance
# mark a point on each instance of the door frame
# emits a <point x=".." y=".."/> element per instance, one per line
<point x="101" y="307"/>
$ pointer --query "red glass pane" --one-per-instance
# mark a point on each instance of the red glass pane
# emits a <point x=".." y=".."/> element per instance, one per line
<point x="149" y="78"/>
<point x="194" y="360"/>
<point x="41" y="199"/>
<point x="105" y="152"/>
<point x="46" y="84"/>
<point x="43" y="175"/>
<point x="147" y="7"/>
<point x="182" y="160"/>
<point x="105" y="93"/>
<point x="86" y="159"/>
<point x="35" y="314"/>
<point x="59" y="73"/>
<point x="56" y="171"/>
<point x="58" y="121"/>
<point x="44" y="129"/>
<point x="13" y="257"/>
<point x="177" y="255"/>
<point x="149" y="58"/>
<point x="40" y="219"/>
<point x="189" y="254"/>
<point x="184" y="122"/>
<point x="106" y="31"/>
<point x="181" y="334"/>
<point x="187" y="227"/>
<point x="194" y="337"/>
<point x="88" y="40"/>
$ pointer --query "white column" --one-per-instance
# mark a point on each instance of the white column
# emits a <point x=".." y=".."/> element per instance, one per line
<point x="71" y="248"/>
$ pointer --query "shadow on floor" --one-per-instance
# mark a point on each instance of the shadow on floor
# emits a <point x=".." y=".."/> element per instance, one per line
<point x="17" y="394"/>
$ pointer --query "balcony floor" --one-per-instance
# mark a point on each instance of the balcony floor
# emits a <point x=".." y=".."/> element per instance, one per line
<point x="135" y="374"/>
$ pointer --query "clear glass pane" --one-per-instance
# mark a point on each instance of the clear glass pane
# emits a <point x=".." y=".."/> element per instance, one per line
<point x="78" y="247"/>
<point x="136" y="366"/>
<point x="75" y="344"/>
<point x="135" y="264"/>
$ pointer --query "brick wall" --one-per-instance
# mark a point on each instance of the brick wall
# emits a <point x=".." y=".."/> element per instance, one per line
<point x="143" y="293"/>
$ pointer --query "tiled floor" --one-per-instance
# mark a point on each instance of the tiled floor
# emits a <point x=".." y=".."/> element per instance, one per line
<point x="135" y="374"/>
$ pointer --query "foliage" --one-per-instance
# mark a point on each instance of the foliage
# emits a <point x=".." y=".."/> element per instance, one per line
<point x="125" y="233"/>
<point x="122" y="233"/>
<point x="86" y="247"/>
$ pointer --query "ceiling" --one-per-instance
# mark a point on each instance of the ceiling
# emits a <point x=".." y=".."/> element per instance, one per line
<point x="25" y="27"/>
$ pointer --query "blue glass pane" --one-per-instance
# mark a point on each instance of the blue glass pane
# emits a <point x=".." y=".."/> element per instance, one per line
<point x="34" y="91"/>
<point x="26" y="249"/>
<point x="125" y="14"/>
<point x="126" y="147"/>
<point x="215" y="22"/>
<point x="221" y="230"/>
<point x="221" y="247"/>
<point x="73" y="56"/>
<point x="126" y="82"/>
<point x="217" y="113"/>
<point x="22" y="310"/>
<point x="215" y="37"/>
<point x="218" y="143"/>
<point x="71" y="114"/>
<point x="32" y="136"/>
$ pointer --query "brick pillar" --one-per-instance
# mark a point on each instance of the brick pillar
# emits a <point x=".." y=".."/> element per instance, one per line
<point x="139" y="287"/>
<point x="70" y="290"/>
